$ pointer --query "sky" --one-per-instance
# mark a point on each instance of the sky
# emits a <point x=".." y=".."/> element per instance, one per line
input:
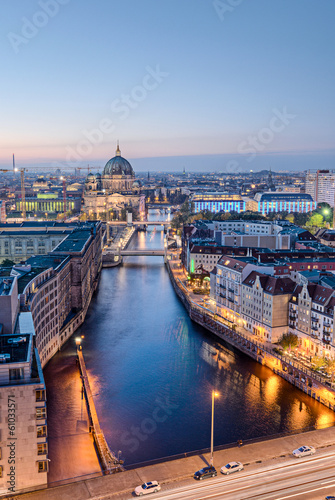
<point x="210" y="85"/>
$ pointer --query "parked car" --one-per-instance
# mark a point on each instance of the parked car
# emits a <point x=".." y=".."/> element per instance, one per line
<point x="231" y="467"/>
<point x="146" y="488"/>
<point x="16" y="340"/>
<point x="303" y="451"/>
<point x="205" y="472"/>
<point x="330" y="497"/>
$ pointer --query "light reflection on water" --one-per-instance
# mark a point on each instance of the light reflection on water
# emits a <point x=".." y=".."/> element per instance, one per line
<point x="153" y="371"/>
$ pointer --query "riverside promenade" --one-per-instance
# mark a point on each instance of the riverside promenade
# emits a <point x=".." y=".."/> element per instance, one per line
<point x="297" y="373"/>
<point x="171" y="472"/>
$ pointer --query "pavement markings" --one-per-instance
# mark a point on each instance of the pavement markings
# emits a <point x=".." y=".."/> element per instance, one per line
<point x="309" y="491"/>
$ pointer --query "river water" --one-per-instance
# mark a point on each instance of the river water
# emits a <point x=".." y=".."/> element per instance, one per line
<point x="152" y="371"/>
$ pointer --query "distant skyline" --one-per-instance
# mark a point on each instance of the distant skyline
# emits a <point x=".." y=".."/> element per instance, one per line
<point x="206" y="85"/>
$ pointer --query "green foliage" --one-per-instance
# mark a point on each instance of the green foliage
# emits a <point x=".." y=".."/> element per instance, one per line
<point x="318" y="362"/>
<point x="7" y="263"/>
<point x="315" y="220"/>
<point x="289" y="340"/>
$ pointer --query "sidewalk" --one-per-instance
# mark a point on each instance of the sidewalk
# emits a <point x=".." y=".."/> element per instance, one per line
<point x="261" y="452"/>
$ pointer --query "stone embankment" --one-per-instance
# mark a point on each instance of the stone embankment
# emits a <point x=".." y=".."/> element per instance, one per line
<point x="284" y="366"/>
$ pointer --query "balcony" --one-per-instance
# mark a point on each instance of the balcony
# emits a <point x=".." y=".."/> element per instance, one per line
<point x="230" y="299"/>
<point x="326" y="340"/>
<point x="223" y="286"/>
<point x="231" y="290"/>
<point x="315" y="327"/>
<point x="223" y="295"/>
<point x="292" y="317"/>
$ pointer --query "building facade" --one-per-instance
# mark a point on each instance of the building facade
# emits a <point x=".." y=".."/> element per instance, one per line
<point x="320" y="186"/>
<point x="266" y="203"/>
<point x="264" y="305"/>
<point x="114" y="191"/>
<point x="218" y="202"/>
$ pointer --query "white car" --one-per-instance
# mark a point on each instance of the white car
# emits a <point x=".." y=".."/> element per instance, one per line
<point x="146" y="488"/>
<point x="303" y="451"/>
<point x="231" y="467"/>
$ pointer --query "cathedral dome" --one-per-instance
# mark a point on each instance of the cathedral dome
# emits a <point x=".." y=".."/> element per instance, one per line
<point x="118" y="165"/>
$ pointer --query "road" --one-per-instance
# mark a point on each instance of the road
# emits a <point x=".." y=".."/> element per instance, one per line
<point x="309" y="478"/>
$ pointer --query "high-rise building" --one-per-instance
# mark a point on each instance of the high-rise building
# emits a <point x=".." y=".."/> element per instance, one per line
<point x="321" y="186"/>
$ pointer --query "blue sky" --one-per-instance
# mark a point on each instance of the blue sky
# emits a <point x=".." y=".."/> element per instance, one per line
<point x="179" y="82"/>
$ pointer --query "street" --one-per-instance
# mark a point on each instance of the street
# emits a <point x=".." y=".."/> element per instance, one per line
<point x="309" y="478"/>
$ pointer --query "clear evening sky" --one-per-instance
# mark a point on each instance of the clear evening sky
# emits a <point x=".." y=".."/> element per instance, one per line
<point x="206" y="84"/>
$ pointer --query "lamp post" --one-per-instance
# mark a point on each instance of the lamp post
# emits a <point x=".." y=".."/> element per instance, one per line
<point x="214" y="395"/>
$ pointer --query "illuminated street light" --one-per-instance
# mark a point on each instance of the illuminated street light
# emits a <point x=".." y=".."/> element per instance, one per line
<point x="214" y="395"/>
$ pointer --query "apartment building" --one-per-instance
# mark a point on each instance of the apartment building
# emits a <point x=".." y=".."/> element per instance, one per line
<point x="264" y="305"/>
<point x="226" y="282"/>
<point x="311" y="317"/>
<point x="321" y="186"/>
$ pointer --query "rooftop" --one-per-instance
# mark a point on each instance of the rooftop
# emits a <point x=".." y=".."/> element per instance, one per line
<point x="15" y="346"/>
<point x="6" y="285"/>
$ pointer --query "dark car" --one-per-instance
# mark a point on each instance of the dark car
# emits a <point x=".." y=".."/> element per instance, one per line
<point x="205" y="472"/>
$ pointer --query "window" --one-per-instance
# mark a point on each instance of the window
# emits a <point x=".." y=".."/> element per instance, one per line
<point x="16" y="373"/>
<point x="41" y="413"/>
<point x="1" y="470"/>
<point x="41" y="431"/>
<point x="40" y="395"/>
<point x="42" y="466"/>
<point x="42" y="449"/>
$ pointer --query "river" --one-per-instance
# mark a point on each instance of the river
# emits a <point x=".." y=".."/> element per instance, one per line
<point x="153" y="370"/>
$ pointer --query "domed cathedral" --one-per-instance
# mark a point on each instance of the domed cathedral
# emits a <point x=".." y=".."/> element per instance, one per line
<point x="113" y="192"/>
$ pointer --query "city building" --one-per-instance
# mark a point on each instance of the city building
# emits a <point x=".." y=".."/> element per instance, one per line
<point x="226" y="281"/>
<point x="264" y="308"/>
<point x="113" y="192"/>
<point x="320" y="186"/>
<point x="23" y="418"/>
<point x="57" y="288"/>
<point x="266" y="203"/>
<point x="19" y="241"/>
<point x="311" y="317"/>
<point x="217" y="202"/>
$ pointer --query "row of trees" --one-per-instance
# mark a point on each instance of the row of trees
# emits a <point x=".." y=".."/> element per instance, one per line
<point x="290" y="341"/>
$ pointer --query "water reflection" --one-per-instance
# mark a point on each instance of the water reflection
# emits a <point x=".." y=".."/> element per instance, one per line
<point x="153" y="371"/>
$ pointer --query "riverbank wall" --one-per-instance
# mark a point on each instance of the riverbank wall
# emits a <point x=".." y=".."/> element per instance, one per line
<point x="296" y="374"/>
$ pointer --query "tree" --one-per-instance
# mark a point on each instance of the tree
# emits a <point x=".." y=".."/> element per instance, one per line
<point x="330" y="367"/>
<point x="315" y="220"/>
<point x="289" y="340"/>
<point x="290" y="218"/>
<point x="318" y="362"/>
<point x="7" y="263"/>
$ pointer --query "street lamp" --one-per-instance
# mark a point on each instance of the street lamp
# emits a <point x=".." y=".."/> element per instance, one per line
<point x="214" y="395"/>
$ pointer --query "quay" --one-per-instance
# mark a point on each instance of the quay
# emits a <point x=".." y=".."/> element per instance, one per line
<point x="293" y="371"/>
<point x="171" y="470"/>
<point x="109" y="462"/>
